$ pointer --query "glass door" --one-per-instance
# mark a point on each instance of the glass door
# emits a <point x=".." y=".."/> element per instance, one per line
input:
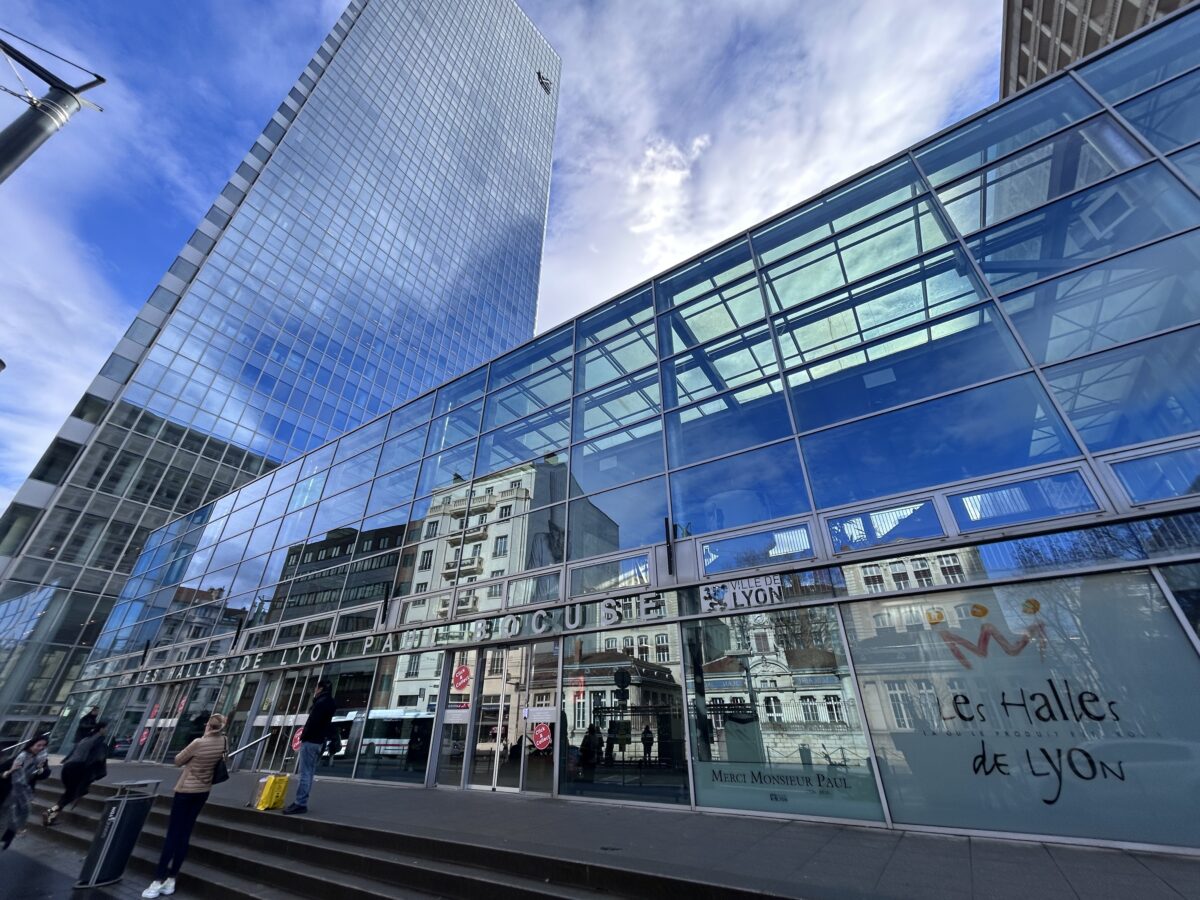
<point x="281" y="715"/>
<point x="162" y="721"/>
<point x="456" y="719"/>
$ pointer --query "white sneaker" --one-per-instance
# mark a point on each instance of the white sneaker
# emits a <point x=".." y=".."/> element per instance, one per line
<point x="155" y="889"/>
<point x="168" y="887"/>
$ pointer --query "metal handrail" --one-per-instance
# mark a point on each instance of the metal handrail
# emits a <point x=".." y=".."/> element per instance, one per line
<point x="249" y="745"/>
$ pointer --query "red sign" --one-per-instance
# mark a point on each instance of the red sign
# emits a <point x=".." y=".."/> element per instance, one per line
<point x="542" y="736"/>
<point x="182" y="704"/>
<point x="154" y="712"/>
<point x="296" y="739"/>
<point x="145" y="736"/>
<point x="461" y="678"/>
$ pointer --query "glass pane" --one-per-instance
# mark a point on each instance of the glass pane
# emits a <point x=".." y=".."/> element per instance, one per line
<point x="775" y="719"/>
<point x="1038" y="709"/>
<point x="616" y="458"/>
<point x="630" y="572"/>
<point x="878" y="307"/>
<point x="1124" y="298"/>
<point x="537" y="435"/>
<point x="461" y="392"/>
<point x="719" y="366"/>
<point x="515" y="544"/>
<point x="535" y="393"/>
<point x="1189" y="163"/>
<point x="403" y="449"/>
<point x="1131" y="394"/>
<point x="862" y="251"/>
<point x="352" y="691"/>
<point x="757" y="486"/>
<point x="1160" y="477"/>
<point x="1005" y="129"/>
<point x="712" y="272"/>
<point x="1071" y="159"/>
<point x="552" y="348"/>
<point x="1168" y="116"/>
<point x="629" y="748"/>
<point x="537" y="589"/>
<point x="961" y="349"/>
<point x="452" y="744"/>
<point x="393" y="489"/>
<point x="454" y="428"/>
<point x="1012" y="425"/>
<point x="351" y="472"/>
<point x="745" y="417"/>
<point x="620" y="519"/>
<point x="1184" y="582"/>
<point x="360" y="439"/>
<point x="1127" y="210"/>
<point x="410" y="415"/>
<point x="1145" y="62"/>
<point x="613" y="318"/>
<point x="451" y="467"/>
<point x="909" y="522"/>
<point x="763" y="548"/>
<point x="840" y="210"/>
<point x="618" y="405"/>
<point x="621" y="355"/>
<point x="397" y="731"/>
<point x="708" y="318"/>
<point x="1022" y="501"/>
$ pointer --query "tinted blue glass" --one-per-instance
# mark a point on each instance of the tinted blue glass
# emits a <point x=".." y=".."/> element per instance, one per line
<point x="1161" y="477"/>
<point x="393" y="521"/>
<point x="745" y="417"/>
<point x="1124" y="298"/>
<point x="461" y="391"/>
<point x="307" y="491"/>
<point x="403" y="449"/>
<point x="1024" y="120"/>
<point x="255" y="490"/>
<point x="454" y="427"/>
<point x="613" y="318"/>
<point x="393" y="489"/>
<point x="545" y="351"/>
<point x="448" y="467"/>
<point x="536" y="392"/>
<point x="275" y="505"/>
<point x="908" y="522"/>
<point x="845" y="207"/>
<point x="1127" y="210"/>
<point x="1148" y="390"/>
<point x="757" y="486"/>
<point x="620" y="355"/>
<point x="538" y="434"/>
<point x="979" y="432"/>
<point x="241" y="520"/>
<point x="1022" y="501"/>
<point x="410" y="415"/>
<point x="714" y="271"/>
<point x="367" y="436"/>
<point x="961" y="349"/>
<point x="623" y="403"/>
<point x="710" y="317"/>
<point x="630" y="516"/>
<point x="617" y="457"/>
<point x="763" y="548"/>
<point x="725" y="363"/>
<point x="1189" y="163"/>
<point x="1146" y="61"/>
<point x="1169" y="116"/>
<point x="314" y="462"/>
<point x="295" y="527"/>
<point x="351" y="472"/>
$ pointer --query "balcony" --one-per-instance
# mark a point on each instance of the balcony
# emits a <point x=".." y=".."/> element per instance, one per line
<point x="467" y="535"/>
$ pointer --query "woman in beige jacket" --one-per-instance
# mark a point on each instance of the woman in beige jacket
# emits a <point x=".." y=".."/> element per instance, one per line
<point x="199" y="760"/>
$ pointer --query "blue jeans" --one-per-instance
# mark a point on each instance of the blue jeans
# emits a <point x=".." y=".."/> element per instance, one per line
<point x="310" y="752"/>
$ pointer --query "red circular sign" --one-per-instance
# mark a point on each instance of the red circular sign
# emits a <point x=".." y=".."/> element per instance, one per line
<point x="461" y="678"/>
<point x="145" y="736"/>
<point x="542" y="736"/>
<point x="296" y="739"/>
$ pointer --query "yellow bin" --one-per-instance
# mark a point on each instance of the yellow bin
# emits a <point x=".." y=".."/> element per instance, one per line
<point x="271" y="792"/>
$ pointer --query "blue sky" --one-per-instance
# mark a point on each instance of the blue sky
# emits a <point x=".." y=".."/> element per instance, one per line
<point x="680" y="122"/>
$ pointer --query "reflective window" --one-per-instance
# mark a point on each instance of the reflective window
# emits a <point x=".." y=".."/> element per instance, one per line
<point x="1161" y="477"/>
<point x="1168" y="116"/>
<point x="1039" y="498"/>
<point x="1040" y="710"/>
<point x="1124" y="298"/>
<point x="763" y="548"/>
<point x="872" y="309"/>
<point x="461" y="391"/>
<point x="614" y="317"/>
<point x="617" y="574"/>
<point x="864" y="250"/>
<point x="536" y="435"/>
<point x="979" y="432"/>
<point x="954" y="351"/>
<point x="393" y="489"/>
<point x="741" y="418"/>
<point x="410" y="415"/>
<point x="1094" y="223"/>
<point x="455" y="427"/>
<point x="621" y="355"/>
<point x="726" y="363"/>
<point x="757" y="486"/>
<point x="346" y="507"/>
<point x="1015" y="124"/>
<point x="403" y="449"/>
<point x="1148" y="390"/>
<point x="1145" y="62"/>
<point x="355" y="441"/>
<point x="840" y="210"/>
<point x="307" y="491"/>
<point x="545" y="351"/>
<point x="535" y="393"/>
<point x="537" y="589"/>
<point x="1184" y="582"/>
<point x="352" y="471"/>
<point x="1189" y="163"/>
<point x="451" y="467"/>
<point x="509" y="492"/>
<point x="1071" y="159"/>
<point x="620" y="519"/>
<point x="620" y="404"/>
<point x="714" y="271"/>
<point x="710" y="317"/>
<point x="617" y="457"/>
<point x="766" y="744"/>
<point x="908" y="522"/>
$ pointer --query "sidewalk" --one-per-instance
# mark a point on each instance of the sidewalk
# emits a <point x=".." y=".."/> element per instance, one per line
<point x="773" y="856"/>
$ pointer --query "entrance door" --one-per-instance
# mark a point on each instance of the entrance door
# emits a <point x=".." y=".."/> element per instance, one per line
<point x="163" y="720"/>
<point x="281" y="715"/>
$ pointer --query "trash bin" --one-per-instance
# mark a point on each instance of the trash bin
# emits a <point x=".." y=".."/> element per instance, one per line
<point x="117" y="832"/>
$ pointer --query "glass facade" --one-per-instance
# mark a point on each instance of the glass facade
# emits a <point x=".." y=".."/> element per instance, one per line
<point x="883" y="512"/>
<point x="383" y="234"/>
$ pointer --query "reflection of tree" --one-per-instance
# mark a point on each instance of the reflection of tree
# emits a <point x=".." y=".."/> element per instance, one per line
<point x="798" y="629"/>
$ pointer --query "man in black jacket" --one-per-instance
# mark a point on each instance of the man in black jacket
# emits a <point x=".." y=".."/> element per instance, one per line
<point x="312" y="739"/>
<point x="87" y="725"/>
<point x="83" y="765"/>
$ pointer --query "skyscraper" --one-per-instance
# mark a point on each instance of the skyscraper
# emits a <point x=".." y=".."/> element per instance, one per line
<point x="383" y="233"/>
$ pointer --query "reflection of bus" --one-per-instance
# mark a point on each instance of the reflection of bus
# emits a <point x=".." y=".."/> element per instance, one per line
<point x="401" y="732"/>
<point x="347" y="724"/>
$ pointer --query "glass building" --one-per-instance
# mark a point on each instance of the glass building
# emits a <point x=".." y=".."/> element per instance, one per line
<point x="882" y="512"/>
<point x="383" y="233"/>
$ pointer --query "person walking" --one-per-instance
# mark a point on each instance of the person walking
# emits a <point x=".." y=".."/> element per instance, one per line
<point x="84" y="764"/>
<point x="199" y="761"/>
<point x="29" y="766"/>
<point x="317" y="728"/>
<point x="87" y="725"/>
<point x="647" y="744"/>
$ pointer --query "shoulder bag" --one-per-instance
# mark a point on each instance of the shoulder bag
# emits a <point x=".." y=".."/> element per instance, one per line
<point x="221" y="770"/>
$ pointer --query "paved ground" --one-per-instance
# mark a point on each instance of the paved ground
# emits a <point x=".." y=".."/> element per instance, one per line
<point x="778" y="857"/>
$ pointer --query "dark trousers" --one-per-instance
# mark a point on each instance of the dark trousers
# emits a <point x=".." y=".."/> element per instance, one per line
<point x="184" y="810"/>
<point x="75" y="783"/>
